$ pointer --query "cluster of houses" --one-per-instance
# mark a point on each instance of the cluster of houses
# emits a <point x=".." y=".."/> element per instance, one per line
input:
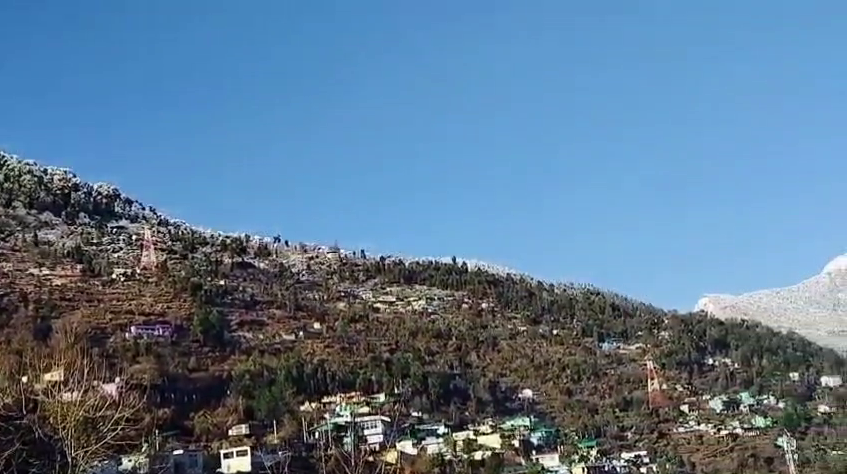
<point x="752" y="414"/>
<point x="182" y="461"/>
<point x="240" y="458"/>
<point x="405" y="299"/>
<point x="381" y="430"/>
<point x="107" y="388"/>
<point x="373" y="424"/>
<point x="748" y="415"/>
<point x="522" y="442"/>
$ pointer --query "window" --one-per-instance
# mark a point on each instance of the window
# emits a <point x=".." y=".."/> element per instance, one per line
<point x="242" y="453"/>
<point x="227" y="454"/>
<point x="371" y="425"/>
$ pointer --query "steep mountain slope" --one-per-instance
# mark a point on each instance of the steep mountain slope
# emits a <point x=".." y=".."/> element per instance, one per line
<point x="263" y="324"/>
<point x="816" y="308"/>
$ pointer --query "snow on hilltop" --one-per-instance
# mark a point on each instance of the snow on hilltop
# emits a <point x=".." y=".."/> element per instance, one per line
<point x="27" y="175"/>
<point x="815" y="308"/>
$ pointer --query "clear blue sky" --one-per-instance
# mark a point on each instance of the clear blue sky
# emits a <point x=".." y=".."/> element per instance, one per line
<point x="660" y="148"/>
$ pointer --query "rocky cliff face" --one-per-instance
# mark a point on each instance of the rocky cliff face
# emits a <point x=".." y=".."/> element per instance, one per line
<point x="815" y="308"/>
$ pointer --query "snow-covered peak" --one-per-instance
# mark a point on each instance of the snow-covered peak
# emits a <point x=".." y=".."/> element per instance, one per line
<point x="709" y="302"/>
<point x="836" y="265"/>
<point x="815" y="308"/>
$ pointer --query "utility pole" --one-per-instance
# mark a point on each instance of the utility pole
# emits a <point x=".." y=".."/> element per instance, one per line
<point x="790" y="448"/>
<point x="353" y="445"/>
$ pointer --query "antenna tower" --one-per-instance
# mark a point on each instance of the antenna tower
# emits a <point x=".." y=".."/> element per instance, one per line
<point x="790" y="448"/>
<point x="148" y="251"/>
<point x="655" y="397"/>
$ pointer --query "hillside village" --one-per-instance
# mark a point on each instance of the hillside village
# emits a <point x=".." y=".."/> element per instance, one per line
<point x="178" y="350"/>
<point x="380" y="429"/>
<point x="387" y="431"/>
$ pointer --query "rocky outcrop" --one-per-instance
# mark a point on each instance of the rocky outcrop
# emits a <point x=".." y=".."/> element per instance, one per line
<point x="815" y="308"/>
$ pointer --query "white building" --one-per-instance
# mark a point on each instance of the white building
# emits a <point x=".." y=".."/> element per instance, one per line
<point x="235" y="460"/>
<point x="831" y="381"/>
<point x="432" y="446"/>
<point x="242" y="429"/>
<point x="550" y="461"/>
<point x="246" y="459"/>
<point x="526" y="394"/>
<point x="373" y="428"/>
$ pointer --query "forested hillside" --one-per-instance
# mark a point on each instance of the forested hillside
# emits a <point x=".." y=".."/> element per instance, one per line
<point x="262" y="325"/>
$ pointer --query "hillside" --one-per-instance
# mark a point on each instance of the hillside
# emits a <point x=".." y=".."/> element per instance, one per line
<point x="815" y="308"/>
<point x="262" y="325"/>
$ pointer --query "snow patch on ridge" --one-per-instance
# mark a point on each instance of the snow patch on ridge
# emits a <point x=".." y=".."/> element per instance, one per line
<point x="815" y="308"/>
<point x="836" y="265"/>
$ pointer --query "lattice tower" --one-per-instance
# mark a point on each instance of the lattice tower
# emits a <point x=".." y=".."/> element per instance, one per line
<point x="790" y="448"/>
<point x="148" y="259"/>
<point x="655" y="396"/>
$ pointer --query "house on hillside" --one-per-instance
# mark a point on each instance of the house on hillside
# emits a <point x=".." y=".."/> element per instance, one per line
<point x="543" y="436"/>
<point x="244" y="459"/>
<point x="57" y="375"/>
<point x="150" y="331"/>
<point x="368" y="431"/>
<point x="173" y="461"/>
<point x="186" y="461"/>
<point x="519" y="423"/>
<point x="550" y="461"/>
<point x="594" y="468"/>
<point x="372" y="428"/>
<point x="611" y="345"/>
<point x="432" y="429"/>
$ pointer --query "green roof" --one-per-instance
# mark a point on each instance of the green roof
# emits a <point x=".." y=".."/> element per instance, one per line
<point x="587" y="443"/>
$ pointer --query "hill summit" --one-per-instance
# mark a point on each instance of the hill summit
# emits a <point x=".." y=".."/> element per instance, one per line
<point x="815" y="308"/>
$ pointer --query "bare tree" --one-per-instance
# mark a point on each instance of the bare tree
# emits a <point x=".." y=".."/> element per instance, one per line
<point x="79" y="403"/>
<point x="12" y="449"/>
<point x="275" y="461"/>
<point x="21" y="450"/>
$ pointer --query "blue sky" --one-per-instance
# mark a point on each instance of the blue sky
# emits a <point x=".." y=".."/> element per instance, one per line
<point x="662" y="148"/>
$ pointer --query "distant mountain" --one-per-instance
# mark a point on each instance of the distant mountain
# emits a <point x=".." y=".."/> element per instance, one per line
<point x="815" y="308"/>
